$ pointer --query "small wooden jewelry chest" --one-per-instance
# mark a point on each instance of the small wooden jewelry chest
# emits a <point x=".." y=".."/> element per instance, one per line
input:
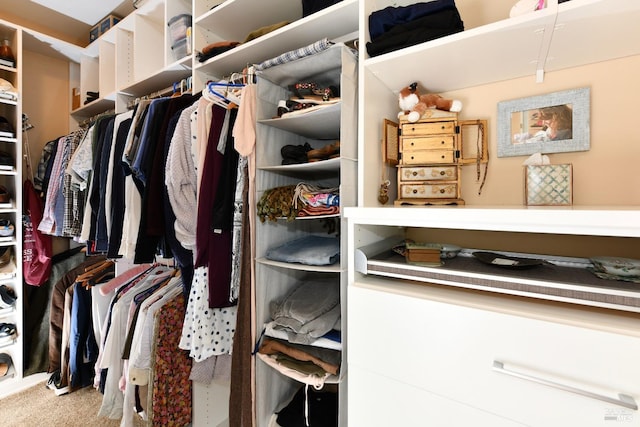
<point x="430" y="157"/>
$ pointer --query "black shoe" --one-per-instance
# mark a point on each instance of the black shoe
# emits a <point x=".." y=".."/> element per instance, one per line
<point x="7" y="332"/>
<point x="7" y="297"/>
<point x="295" y="154"/>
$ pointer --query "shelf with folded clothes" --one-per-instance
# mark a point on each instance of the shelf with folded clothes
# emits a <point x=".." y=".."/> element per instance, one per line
<point x="539" y="42"/>
<point x="299" y="201"/>
<point x="331" y="340"/>
<point x="333" y="23"/>
<point x="309" y="252"/>
<point x="301" y="338"/>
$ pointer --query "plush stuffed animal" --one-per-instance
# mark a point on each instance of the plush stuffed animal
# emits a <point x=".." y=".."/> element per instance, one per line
<point x="415" y="105"/>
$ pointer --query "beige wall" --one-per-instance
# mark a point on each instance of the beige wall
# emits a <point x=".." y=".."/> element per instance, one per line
<point x="607" y="174"/>
<point x="604" y="175"/>
<point x="46" y="101"/>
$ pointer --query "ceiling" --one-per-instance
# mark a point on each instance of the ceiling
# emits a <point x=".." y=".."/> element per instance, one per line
<point x="29" y="14"/>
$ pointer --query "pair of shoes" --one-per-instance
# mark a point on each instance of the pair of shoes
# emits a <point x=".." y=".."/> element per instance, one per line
<point x="329" y="151"/>
<point x="6" y="161"/>
<point x="311" y="91"/>
<point x="295" y="154"/>
<point x="6" y="228"/>
<point x="6" y="129"/>
<point x="8" y="297"/>
<point x="55" y="383"/>
<point x="290" y="105"/>
<point x="7" y="332"/>
<point x="5" y="364"/>
<point x="54" y="380"/>
<point x="5" y="255"/>
<point x="5" y="197"/>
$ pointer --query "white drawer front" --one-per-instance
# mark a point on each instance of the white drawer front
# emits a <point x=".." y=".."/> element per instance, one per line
<point x="450" y="350"/>
<point x="376" y="400"/>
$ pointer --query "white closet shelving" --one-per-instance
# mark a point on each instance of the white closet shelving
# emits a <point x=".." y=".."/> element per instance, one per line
<point x="217" y="21"/>
<point x="11" y="180"/>
<point x="131" y="60"/>
<point x="463" y="325"/>
<point x="335" y="66"/>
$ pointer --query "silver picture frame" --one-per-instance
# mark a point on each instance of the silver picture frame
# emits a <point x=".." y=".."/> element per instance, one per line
<point x="557" y="122"/>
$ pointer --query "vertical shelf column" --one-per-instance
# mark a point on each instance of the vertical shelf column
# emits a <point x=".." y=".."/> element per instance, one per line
<point x="11" y="182"/>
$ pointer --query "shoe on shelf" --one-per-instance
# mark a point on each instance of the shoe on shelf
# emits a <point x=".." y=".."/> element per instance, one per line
<point x="5" y="197"/>
<point x="8" y="297"/>
<point x="310" y="92"/>
<point x="290" y="106"/>
<point x="5" y="255"/>
<point x="324" y="153"/>
<point x="6" y="161"/>
<point x="294" y="154"/>
<point x="6" y="228"/>
<point x="5" y="364"/>
<point x="7" y="333"/>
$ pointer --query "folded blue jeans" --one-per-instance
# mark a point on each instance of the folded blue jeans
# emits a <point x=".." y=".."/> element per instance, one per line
<point x="309" y="250"/>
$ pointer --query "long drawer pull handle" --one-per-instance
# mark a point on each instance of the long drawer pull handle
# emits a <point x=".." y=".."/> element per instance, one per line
<point x="623" y="400"/>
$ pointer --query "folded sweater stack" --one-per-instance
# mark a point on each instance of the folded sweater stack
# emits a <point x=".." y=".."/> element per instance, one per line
<point x="394" y="28"/>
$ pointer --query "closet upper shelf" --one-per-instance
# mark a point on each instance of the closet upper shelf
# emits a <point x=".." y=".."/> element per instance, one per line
<point x="96" y="107"/>
<point x="332" y="22"/>
<point x="579" y="32"/>
<point x="231" y="20"/>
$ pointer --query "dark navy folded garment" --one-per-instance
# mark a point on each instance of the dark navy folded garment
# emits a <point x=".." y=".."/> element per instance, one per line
<point x="429" y="27"/>
<point x="383" y="20"/>
<point x="313" y="6"/>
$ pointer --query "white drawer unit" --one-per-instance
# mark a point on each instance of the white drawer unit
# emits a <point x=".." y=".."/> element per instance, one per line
<point x="540" y="369"/>
<point x="462" y="351"/>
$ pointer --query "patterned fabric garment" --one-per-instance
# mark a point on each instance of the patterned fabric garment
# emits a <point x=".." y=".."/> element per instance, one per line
<point x="48" y="223"/>
<point x="206" y="331"/>
<point x="171" y="385"/>
<point x="312" y="49"/>
<point x="74" y="198"/>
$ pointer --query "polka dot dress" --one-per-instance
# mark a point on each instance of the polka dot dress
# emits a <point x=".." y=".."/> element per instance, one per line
<point x="206" y="331"/>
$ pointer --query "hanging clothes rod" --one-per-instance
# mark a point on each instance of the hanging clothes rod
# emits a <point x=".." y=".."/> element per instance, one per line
<point x="92" y="119"/>
<point x="182" y="85"/>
